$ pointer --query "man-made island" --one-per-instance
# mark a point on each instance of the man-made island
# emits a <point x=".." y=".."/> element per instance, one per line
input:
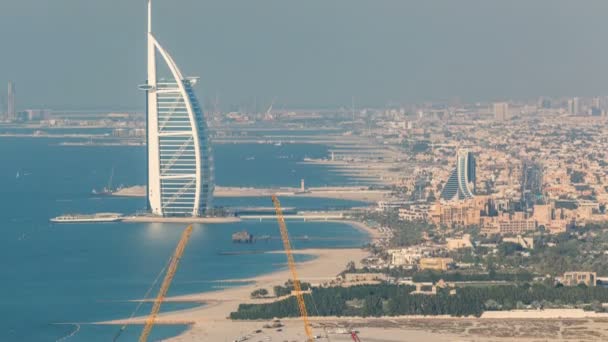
<point x="355" y="193"/>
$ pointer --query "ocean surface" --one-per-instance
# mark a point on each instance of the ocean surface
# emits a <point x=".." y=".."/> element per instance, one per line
<point x="82" y="273"/>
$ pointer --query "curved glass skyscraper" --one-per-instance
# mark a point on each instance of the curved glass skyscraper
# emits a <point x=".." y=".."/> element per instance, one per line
<point x="461" y="183"/>
<point x="180" y="161"/>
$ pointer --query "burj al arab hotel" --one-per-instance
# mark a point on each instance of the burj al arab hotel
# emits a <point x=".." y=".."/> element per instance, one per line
<point x="180" y="159"/>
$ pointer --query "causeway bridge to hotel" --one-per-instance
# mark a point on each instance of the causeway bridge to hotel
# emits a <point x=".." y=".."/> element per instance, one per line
<point x="303" y="216"/>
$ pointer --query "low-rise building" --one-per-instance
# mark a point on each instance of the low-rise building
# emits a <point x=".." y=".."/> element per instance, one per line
<point x="507" y="225"/>
<point x="391" y="205"/>
<point x="516" y="227"/>
<point x="458" y="243"/>
<point x="455" y="214"/>
<point x="364" y="277"/>
<point x="557" y="226"/>
<point x="575" y="278"/>
<point x="542" y="214"/>
<point x="417" y="212"/>
<point x="411" y="256"/>
<point x="437" y="264"/>
<point x="525" y="242"/>
<point x="404" y="257"/>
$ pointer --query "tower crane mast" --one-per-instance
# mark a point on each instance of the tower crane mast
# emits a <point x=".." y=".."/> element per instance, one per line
<point x="177" y="255"/>
<point x="292" y="267"/>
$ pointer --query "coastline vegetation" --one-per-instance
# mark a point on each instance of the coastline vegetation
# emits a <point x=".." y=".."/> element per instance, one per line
<point x="280" y="291"/>
<point x="396" y="300"/>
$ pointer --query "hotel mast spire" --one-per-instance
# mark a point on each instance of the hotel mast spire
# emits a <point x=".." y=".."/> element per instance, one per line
<point x="151" y="49"/>
<point x="149" y="16"/>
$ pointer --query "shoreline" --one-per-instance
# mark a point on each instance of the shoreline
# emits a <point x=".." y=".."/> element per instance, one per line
<point x="374" y="234"/>
<point x="353" y="193"/>
<point x="187" y="220"/>
<point x="210" y="322"/>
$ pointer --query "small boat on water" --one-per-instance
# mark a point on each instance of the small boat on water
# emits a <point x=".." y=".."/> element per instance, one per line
<point x="108" y="190"/>
<point x="242" y="237"/>
<point x="77" y="218"/>
<point x="263" y="238"/>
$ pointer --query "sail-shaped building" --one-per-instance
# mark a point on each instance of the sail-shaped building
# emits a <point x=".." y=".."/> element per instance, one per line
<point x="180" y="158"/>
<point x="461" y="183"/>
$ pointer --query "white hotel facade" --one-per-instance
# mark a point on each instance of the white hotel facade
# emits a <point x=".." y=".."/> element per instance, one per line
<point x="180" y="159"/>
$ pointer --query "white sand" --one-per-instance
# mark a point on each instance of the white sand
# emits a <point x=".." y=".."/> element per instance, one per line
<point x="355" y="193"/>
<point x="210" y="322"/>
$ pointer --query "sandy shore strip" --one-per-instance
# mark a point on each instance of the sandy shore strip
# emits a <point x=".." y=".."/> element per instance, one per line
<point x="210" y="323"/>
<point x="373" y="233"/>
<point x="184" y="220"/>
<point x="354" y="193"/>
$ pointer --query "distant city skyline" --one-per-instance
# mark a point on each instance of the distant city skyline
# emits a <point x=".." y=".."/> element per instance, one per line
<point x="68" y="54"/>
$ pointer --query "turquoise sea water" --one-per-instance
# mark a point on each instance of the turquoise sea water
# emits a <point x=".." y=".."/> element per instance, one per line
<point x="87" y="272"/>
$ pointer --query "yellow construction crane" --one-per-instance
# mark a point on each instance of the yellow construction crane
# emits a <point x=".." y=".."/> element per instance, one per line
<point x="292" y="267"/>
<point x="179" y="250"/>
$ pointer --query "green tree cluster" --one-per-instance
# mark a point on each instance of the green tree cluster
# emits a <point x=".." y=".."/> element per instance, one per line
<point x="259" y="293"/>
<point x="280" y="291"/>
<point x="434" y="276"/>
<point x="393" y="300"/>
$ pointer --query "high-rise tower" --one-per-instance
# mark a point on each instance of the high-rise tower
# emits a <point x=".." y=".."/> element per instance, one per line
<point x="501" y="111"/>
<point x="461" y="183"/>
<point x="531" y="184"/>
<point x="574" y="106"/>
<point x="11" y="113"/>
<point x="180" y="160"/>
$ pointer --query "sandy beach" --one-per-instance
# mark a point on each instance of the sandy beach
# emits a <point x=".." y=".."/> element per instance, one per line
<point x="354" y="193"/>
<point x="373" y="233"/>
<point x="210" y="323"/>
<point x="184" y="220"/>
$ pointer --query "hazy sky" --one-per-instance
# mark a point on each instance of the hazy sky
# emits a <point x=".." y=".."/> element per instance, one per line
<point x="91" y="54"/>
